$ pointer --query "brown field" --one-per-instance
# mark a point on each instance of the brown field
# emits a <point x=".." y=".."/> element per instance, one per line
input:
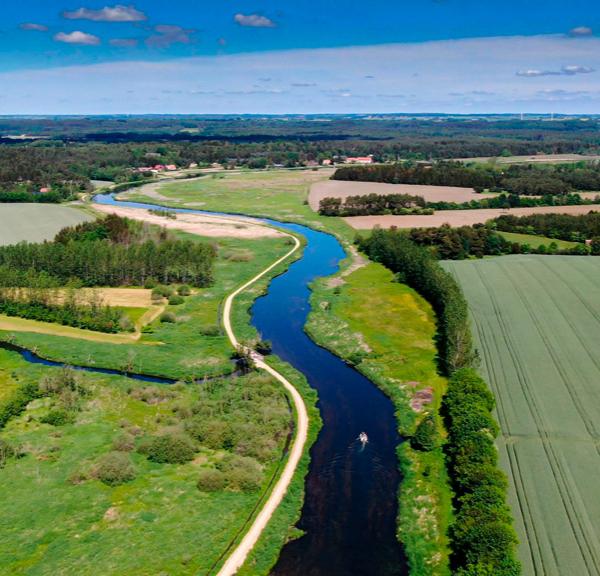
<point x="456" y="218"/>
<point x="213" y="226"/>
<point x="341" y="189"/>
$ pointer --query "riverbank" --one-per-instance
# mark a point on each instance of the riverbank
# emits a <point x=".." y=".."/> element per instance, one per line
<point x="387" y="331"/>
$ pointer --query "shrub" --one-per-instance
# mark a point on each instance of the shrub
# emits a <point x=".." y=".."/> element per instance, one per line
<point x="114" y="468"/>
<point x="125" y="324"/>
<point x="164" y="291"/>
<point x="211" y="480"/>
<point x="124" y="443"/>
<point x="168" y="318"/>
<point x="169" y="449"/>
<point x="184" y="290"/>
<point x="210" y="330"/>
<point x="18" y="402"/>
<point x="57" y="417"/>
<point x="243" y="473"/>
<point x="6" y="451"/>
<point x="175" y="300"/>
<point x="150" y="283"/>
<point x="427" y="436"/>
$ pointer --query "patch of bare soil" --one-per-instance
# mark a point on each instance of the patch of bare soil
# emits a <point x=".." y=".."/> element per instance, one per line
<point x="456" y="218"/>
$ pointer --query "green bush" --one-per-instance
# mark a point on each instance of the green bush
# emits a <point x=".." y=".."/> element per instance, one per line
<point x="210" y="330"/>
<point x="7" y="451"/>
<point x="17" y="403"/>
<point x="150" y="283"/>
<point x="58" y="417"/>
<point x="168" y="318"/>
<point x="163" y="291"/>
<point x="125" y="442"/>
<point x="175" y="300"/>
<point x="184" y="290"/>
<point x="114" y="468"/>
<point x="242" y="473"/>
<point x="427" y="436"/>
<point x="211" y="480"/>
<point x="169" y="449"/>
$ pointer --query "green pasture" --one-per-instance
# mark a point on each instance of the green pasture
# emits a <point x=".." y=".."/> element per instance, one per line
<point x="537" y="241"/>
<point x="536" y="322"/>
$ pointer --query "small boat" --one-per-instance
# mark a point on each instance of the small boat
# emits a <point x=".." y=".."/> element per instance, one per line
<point x="363" y="438"/>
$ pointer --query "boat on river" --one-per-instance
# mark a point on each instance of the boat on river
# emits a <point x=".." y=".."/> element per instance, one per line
<point x="363" y="438"/>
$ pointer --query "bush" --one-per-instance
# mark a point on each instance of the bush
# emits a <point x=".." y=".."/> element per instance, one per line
<point x="18" y="402"/>
<point x="184" y="290"/>
<point x="124" y="443"/>
<point x="168" y="318"/>
<point x="114" y="468"/>
<point x="150" y="283"/>
<point x="427" y="436"/>
<point x="210" y="330"/>
<point x="7" y="451"/>
<point x="211" y="480"/>
<point x="169" y="449"/>
<point x="176" y="300"/>
<point x="242" y="473"/>
<point x="57" y="417"/>
<point x="164" y="291"/>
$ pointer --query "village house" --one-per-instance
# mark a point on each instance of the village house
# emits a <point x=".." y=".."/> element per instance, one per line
<point x="360" y="160"/>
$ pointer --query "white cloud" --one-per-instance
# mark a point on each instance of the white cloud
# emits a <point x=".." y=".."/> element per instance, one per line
<point x="168" y="34"/>
<point x="254" y="21"/>
<point x="118" y="13"/>
<point x="34" y="27"/>
<point x="77" y="37"/>
<point x="476" y="75"/>
<point x="564" y="71"/>
<point x="581" y="31"/>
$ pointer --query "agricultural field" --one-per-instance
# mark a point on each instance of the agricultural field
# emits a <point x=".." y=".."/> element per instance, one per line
<point x="36" y="222"/>
<point x="534" y="159"/>
<point x="103" y="465"/>
<point x="456" y="218"/>
<point x="537" y="241"/>
<point x="343" y="189"/>
<point x="537" y="324"/>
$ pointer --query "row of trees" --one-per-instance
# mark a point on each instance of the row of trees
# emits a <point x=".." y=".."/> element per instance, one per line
<point x="561" y="226"/>
<point x="516" y="179"/>
<point x="372" y="204"/>
<point x="482" y="538"/>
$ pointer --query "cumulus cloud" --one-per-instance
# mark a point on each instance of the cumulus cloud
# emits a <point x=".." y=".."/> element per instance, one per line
<point x="118" y="13"/>
<point x="254" y="21"/>
<point x="123" y="42"/>
<point x="34" y="26"/>
<point x="167" y="34"/>
<point x="564" y="71"/>
<point x="77" y="37"/>
<point x="581" y="31"/>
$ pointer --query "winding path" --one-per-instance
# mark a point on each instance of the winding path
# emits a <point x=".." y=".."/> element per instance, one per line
<point x="237" y="558"/>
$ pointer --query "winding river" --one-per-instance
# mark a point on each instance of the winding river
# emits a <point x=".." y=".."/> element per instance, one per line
<point x="349" y="515"/>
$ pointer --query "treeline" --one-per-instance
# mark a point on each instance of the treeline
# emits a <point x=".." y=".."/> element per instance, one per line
<point x="482" y="538"/>
<point x="561" y="226"/>
<point x="516" y="179"/>
<point x="372" y="204"/>
<point x="127" y="259"/>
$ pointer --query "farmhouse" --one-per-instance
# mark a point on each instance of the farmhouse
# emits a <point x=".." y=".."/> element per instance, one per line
<point x="360" y="160"/>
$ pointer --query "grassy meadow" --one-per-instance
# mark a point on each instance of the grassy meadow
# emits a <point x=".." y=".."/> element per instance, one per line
<point x="279" y="194"/>
<point x="36" y="222"/>
<point x="64" y="517"/>
<point x="537" y="325"/>
<point x="537" y="241"/>
<point x="387" y="331"/>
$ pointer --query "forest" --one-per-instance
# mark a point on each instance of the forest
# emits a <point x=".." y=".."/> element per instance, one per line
<point x="516" y="179"/>
<point x="482" y="538"/>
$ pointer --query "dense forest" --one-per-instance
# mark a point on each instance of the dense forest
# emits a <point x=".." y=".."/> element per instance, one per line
<point x="64" y="154"/>
<point x="113" y="252"/>
<point x="482" y="538"/>
<point x="516" y="179"/>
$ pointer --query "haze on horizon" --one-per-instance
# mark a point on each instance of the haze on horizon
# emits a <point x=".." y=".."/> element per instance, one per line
<point x="453" y="56"/>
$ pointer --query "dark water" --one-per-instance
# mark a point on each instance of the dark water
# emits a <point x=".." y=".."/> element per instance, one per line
<point x="350" y="509"/>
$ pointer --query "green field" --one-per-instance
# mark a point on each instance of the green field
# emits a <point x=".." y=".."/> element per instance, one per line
<point x="537" y="325"/>
<point x="537" y="241"/>
<point x="351" y="317"/>
<point x="58" y="517"/>
<point x="36" y="222"/>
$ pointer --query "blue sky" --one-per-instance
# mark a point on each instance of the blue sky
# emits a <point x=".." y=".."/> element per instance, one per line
<point x="191" y="56"/>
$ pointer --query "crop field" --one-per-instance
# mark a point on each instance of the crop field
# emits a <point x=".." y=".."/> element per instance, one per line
<point x="36" y="222"/>
<point x="457" y="218"/>
<point x="537" y="325"/>
<point x="343" y="189"/>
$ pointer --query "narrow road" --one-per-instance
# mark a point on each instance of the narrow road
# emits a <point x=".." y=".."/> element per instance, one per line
<point x="238" y="556"/>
